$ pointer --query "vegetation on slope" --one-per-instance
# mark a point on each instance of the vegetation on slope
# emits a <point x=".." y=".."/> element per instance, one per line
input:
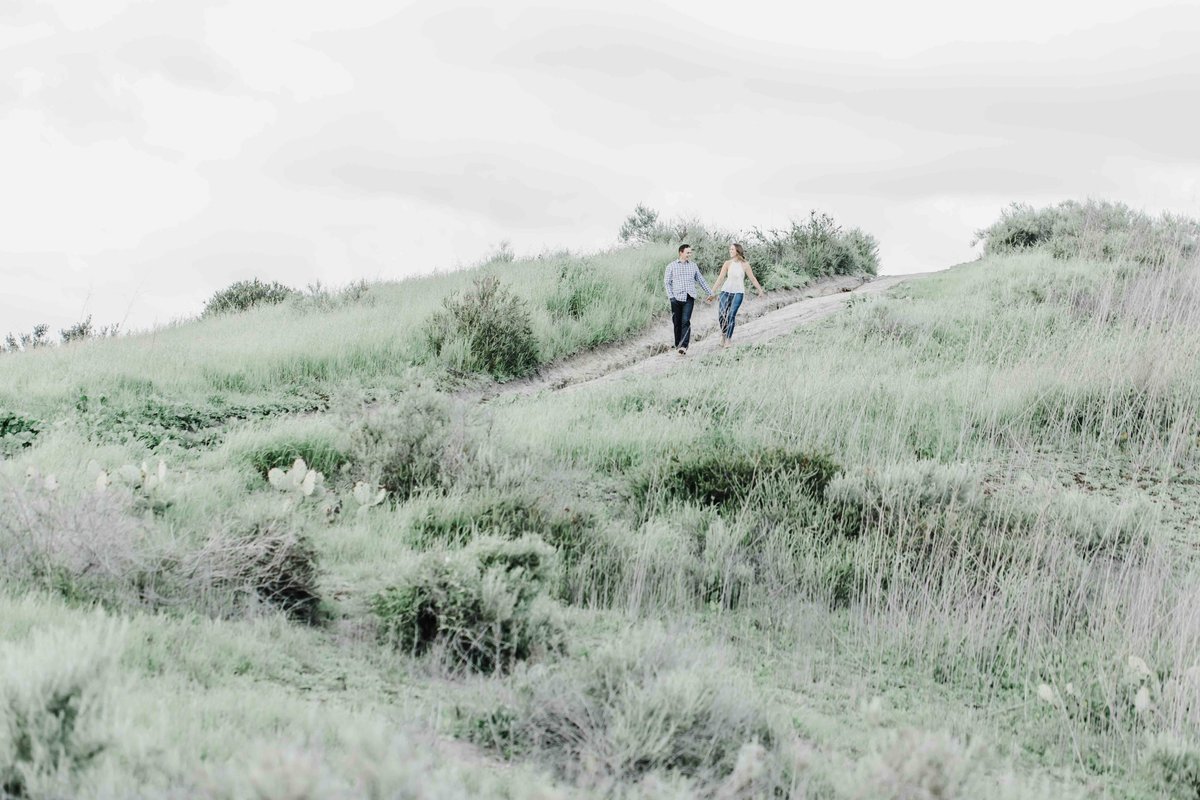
<point x="262" y="350"/>
<point x="935" y="546"/>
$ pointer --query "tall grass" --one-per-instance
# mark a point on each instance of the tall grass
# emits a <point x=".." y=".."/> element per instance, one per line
<point x="978" y="485"/>
<point x="998" y="428"/>
<point x="285" y="348"/>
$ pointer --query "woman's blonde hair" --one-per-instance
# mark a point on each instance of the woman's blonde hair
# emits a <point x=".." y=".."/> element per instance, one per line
<point x="741" y="251"/>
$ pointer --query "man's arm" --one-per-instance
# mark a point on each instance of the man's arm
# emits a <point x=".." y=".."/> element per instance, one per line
<point x="667" y="282"/>
<point x="701" y="281"/>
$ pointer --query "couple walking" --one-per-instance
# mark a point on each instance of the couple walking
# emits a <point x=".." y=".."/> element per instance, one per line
<point x="680" y="281"/>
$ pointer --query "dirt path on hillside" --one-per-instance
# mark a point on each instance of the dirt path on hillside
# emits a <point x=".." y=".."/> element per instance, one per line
<point x="649" y="353"/>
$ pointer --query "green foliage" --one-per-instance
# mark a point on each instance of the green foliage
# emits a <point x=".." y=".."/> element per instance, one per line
<point x="152" y="420"/>
<point x="84" y="330"/>
<point x="55" y="708"/>
<point x="580" y="287"/>
<point x="407" y="445"/>
<point x="282" y="450"/>
<point x="1099" y="230"/>
<point x="483" y="607"/>
<point x="506" y="514"/>
<point x="641" y="226"/>
<point x="37" y="338"/>
<point x="17" y="432"/>
<point x="818" y="246"/>
<point x="1175" y="765"/>
<point x="317" y="298"/>
<point x="244" y="295"/>
<point x="1118" y="409"/>
<point x="781" y="257"/>
<point x="27" y="341"/>
<point x="638" y="707"/>
<point x="486" y="329"/>
<point x="725" y="476"/>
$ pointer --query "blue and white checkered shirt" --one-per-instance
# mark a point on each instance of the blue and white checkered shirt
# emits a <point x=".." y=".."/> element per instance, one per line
<point x="680" y="280"/>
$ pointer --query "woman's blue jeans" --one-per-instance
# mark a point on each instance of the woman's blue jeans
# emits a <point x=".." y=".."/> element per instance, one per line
<point x="727" y="308"/>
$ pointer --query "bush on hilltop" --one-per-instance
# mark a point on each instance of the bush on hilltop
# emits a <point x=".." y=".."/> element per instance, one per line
<point x="244" y="295"/>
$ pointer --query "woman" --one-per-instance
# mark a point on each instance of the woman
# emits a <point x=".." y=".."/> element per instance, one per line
<point x="732" y="278"/>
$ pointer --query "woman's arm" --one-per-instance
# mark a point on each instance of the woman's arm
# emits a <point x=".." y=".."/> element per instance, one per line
<point x="720" y="279"/>
<point x="757" y="285"/>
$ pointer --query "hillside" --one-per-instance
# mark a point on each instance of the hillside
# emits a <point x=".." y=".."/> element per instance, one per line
<point x="935" y="543"/>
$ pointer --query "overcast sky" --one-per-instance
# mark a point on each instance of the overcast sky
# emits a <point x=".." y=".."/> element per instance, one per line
<point x="153" y="152"/>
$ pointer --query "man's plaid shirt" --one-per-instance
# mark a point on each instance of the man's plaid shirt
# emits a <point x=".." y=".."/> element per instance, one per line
<point x="680" y="280"/>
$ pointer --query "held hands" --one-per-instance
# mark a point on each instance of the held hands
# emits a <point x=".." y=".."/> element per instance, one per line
<point x="710" y="298"/>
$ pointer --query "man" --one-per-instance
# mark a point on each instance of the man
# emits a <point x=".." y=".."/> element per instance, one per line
<point x="680" y="280"/>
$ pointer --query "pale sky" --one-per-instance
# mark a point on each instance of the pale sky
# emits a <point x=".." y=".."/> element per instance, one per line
<point x="153" y="152"/>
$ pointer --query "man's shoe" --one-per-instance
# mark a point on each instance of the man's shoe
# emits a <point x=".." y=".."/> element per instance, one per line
<point x="683" y="351"/>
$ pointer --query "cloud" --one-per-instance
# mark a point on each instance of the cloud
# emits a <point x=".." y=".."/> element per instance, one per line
<point x="180" y="60"/>
<point x="1129" y="84"/>
<point x="517" y="185"/>
<point x="1049" y="165"/>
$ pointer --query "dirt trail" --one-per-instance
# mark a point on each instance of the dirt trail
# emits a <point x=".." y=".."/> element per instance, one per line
<point x="648" y="353"/>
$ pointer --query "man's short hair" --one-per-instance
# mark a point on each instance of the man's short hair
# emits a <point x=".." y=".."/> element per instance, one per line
<point x="683" y="247"/>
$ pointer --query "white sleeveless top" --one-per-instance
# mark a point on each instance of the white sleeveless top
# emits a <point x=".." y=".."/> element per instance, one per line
<point x="735" y="278"/>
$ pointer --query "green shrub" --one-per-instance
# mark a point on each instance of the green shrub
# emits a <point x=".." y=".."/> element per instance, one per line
<point x="317" y="298"/>
<point x="92" y="549"/>
<point x="1175" y="766"/>
<point x="781" y="258"/>
<point x="486" y="329"/>
<point x="817" y="247"/>
<point x="318" y="453"/>
<point x="1098" y="230"/>
<point x="640" y="227"/>
<point x="578" y="288"/>
<point x="407" y="445"/>
<point x="640" y="707"/>
<point x="248" y="564"/>
<point x="152" y="420"/>
<point x="88" y="549"/>
<point x="719" y="477"/>
<point x="83" y="330"/>
<point x="18" y="432"/>
<point x="27" y="341"/>
<point x="244" y="295"/>
<point x="483" y="607"/>
<point x="1115" y="413"/>
<point x="505" y="514"/>
<point x="56" y="707"/>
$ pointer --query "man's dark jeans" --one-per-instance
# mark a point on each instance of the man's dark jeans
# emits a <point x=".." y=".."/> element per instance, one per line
<point x="681" y="318"/>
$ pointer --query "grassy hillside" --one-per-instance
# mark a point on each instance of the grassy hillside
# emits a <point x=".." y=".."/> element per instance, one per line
<point x="938" y="545"/>
<point x="296" y="355"/>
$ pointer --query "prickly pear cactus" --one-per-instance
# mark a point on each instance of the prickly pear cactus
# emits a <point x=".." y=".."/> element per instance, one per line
<point x="367" y="495"/>
<point x="299" y="480"/>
